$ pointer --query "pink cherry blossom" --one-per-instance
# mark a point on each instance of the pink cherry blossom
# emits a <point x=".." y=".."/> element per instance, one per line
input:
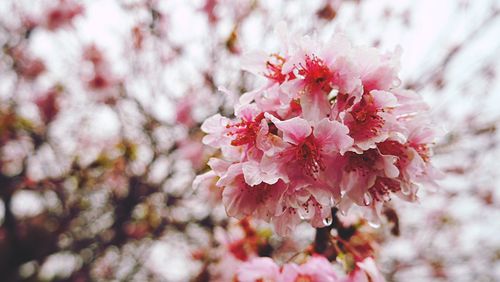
<point x="259" y="269"/>
<point x="370" y="120"/>
<point x="329" y="128"/>
<point x="316" y="269"/>
<point x="308" y="148"/>
<point x="241" y="199"/>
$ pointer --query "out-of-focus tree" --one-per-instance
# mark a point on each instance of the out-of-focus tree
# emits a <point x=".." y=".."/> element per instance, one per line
<point x="100" y="109"/>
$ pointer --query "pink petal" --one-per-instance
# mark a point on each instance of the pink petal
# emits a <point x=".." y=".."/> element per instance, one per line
<point x="295" y="130"/>
<point x="356" y="184"/>
<point x="254" y="174"/>
<point x="384" y="99"/>
<point x="290" y="272"/>
<point x="370" y="268"/>
<point x="262" y="268"/>
<point x="390" y="169"/>
<point x="215" y="126"/>
<point x="319" y="268"/>
<point x="286" y="222"/>
<point x="202" y="181"/>
<point x="218" y="166"/>
<point x="228" y="177"/>
<point x="315" y="105"/>
<point x="333" y="136"/>
<point x="242" y="200"/>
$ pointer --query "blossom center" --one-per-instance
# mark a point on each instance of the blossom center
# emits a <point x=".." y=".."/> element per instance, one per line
<point x="364" y="162"/>
<point x="317" y="76"/>
<point x="382" y="187"/>
<point x="275" y="68"/>
<point x="365" y="122"/>
<point x="309" y="155"/>
<point x="245" y="132"/>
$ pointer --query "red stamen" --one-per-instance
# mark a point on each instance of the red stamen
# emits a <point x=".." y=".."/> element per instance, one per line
<point x="317" y="75"/>
<point x="382" y="187"/>
<point x="295" y="105"/>
<point x="363" y="162"/>
<point x="365" y="123"/>
<point x="309" y="155"/>
<point x="275" y="70"/>
<point x="245" y="131"/>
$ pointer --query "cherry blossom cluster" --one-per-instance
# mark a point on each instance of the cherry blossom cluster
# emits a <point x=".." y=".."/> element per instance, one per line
<point x="315" y="269"/>
<point x="330" y="128"/>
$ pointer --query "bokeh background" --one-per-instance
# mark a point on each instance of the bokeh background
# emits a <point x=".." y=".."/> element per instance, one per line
<point x="101" y="103"/>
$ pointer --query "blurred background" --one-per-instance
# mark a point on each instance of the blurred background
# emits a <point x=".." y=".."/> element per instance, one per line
<point x="101" y="103"/>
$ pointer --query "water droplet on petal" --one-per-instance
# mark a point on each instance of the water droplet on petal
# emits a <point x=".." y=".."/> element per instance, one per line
<point x="327" y="220"/>
<point x="374" y="224"/>
<point x="367" y="199"/>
